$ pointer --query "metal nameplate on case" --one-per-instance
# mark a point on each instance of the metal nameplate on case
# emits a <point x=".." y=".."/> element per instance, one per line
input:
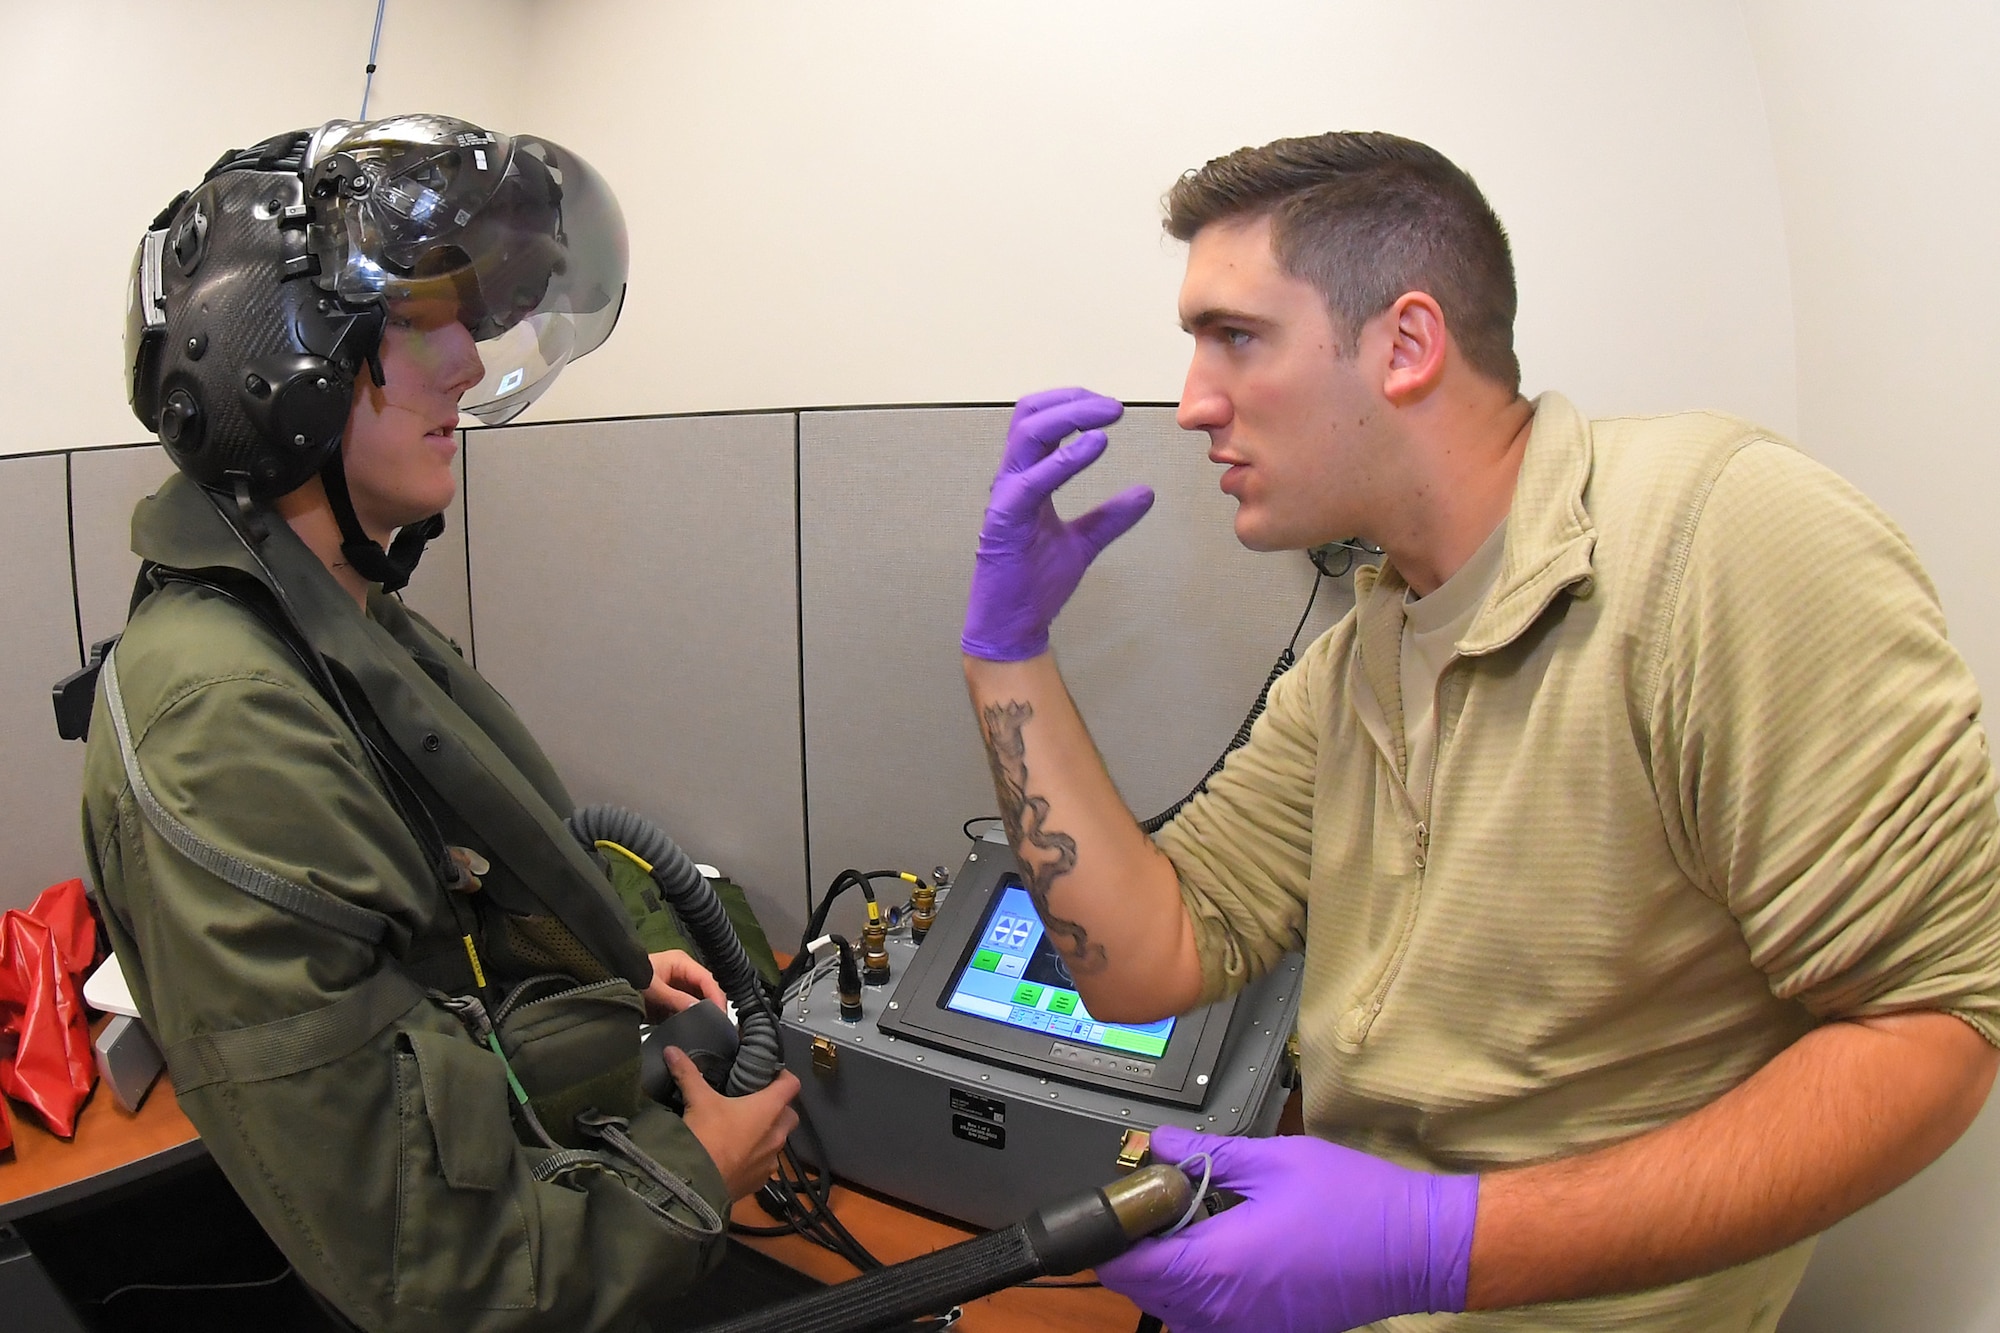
<point x="982" y="1132"/>
<point x="982" y="1108"/>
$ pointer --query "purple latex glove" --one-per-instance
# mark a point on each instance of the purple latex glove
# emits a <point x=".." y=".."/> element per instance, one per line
<point x="1030" y="561"/>
<point x="1326" y="1238"/>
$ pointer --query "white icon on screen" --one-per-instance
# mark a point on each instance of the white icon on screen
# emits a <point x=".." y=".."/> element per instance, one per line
<point x="1010" y="932"/>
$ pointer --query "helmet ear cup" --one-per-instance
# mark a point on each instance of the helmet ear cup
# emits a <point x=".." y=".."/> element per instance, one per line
<point x="297" y="402"/>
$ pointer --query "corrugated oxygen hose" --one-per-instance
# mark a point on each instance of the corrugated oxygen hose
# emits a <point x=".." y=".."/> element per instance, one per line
<point x="694" y="902"/>
<point x="1064" y="1237"/>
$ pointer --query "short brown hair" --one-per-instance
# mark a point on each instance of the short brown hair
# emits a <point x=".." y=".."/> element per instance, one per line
<point x="1365" y="218"/>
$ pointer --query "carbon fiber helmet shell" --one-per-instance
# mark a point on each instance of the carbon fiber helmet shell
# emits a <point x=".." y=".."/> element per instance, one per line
<point x="258" y="298"/>
<point x="245" y="375"/>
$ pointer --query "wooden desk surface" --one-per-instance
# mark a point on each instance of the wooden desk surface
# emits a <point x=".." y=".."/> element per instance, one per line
<point x="893" y="1233"/>
<point x="112" y="1145"/>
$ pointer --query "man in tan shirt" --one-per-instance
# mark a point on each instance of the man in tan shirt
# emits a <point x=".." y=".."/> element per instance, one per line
<point x="1637" y="825"/>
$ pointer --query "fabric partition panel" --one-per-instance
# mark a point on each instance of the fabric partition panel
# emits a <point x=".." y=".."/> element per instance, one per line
<point x="1164" y="646"/>
<point x="635" y="587"/>
<point x="104" y="486"/>
<point x="42" y="779"/>
<point x="106" y="483"/>
<point x="634" y="594"/>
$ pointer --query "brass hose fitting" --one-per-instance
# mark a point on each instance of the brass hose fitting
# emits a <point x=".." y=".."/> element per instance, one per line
<point x="923" y="911"/>
<point x="1150" y="1198"/>
<point x="875" y="953"/>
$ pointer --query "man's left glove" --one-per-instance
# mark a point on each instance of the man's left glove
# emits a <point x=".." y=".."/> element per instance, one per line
<point x="1030" y="560"/>
<point x="1326" y="1238"/>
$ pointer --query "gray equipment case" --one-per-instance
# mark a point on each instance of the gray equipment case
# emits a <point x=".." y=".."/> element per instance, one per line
<point x="988" y="1143"/>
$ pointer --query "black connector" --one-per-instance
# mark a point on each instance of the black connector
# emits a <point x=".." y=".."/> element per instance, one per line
<point x="849" y="979"/>
<point x="775" y="1199"/>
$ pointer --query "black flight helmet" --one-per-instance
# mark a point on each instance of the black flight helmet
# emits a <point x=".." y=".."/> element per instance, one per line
<point x="260" y="296"/>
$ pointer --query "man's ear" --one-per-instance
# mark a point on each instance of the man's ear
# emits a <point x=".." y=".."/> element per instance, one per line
<point x="1417" y="336"/>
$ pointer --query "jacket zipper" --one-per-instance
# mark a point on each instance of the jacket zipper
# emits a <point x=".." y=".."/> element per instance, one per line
<point x="1422" y="836"/>
<point x="514" y="1002"/>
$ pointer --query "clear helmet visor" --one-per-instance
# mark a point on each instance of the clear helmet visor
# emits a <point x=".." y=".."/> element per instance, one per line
<point x="522" y="235"/>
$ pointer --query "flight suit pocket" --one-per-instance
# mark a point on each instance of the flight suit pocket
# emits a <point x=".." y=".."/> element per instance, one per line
<point x="574" y="1048"/>
<point x="461" y="1238"/>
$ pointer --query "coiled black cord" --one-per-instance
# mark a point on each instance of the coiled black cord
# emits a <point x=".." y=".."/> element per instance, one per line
<point x="1286" y="660"/>
<point x="694" y="901"/>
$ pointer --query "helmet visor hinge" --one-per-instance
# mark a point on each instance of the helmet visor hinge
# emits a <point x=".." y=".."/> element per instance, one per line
<point x="359" y="337"/>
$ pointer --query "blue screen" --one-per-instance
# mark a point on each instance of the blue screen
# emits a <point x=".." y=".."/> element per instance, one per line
<point x="1015" y="976"/>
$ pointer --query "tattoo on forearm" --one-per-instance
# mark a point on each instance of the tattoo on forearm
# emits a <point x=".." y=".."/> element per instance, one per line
<point x="1045" y="855"/>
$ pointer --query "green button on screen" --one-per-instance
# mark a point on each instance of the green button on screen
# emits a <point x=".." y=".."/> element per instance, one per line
<point x="986" y="960"/>
<point x="1028" y="994"/>
<point x="1063" y="1002"/>
<point x="1142" y="1043"/>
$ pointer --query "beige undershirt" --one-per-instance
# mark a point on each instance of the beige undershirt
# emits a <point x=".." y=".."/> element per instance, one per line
<point x="1432" y="627"/>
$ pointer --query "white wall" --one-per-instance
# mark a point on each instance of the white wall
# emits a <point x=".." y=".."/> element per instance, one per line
<point x="112" y="107"/>
<point x="1886" y="125"/>
<point x="904" y="201"/>
<point x="909" y="201"/>
<point x="1886" y="119"/>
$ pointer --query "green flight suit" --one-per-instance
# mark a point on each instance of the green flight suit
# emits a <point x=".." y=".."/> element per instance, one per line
<point x="361" y="1122"/>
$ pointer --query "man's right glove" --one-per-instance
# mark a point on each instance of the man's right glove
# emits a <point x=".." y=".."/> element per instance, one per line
<point x="1326" y="1238"/>
<point x="1030" y="560"/>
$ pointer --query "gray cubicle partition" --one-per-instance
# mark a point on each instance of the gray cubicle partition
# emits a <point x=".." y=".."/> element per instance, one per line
<point x="39" y="774"/>
<point x="744" y="625"/>
<point x="1164" y="646"/>
<point x="635" y="595"/>
<point x="106" y="483"/>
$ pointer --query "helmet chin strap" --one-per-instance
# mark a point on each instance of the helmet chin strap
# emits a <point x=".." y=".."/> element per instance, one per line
<point x="391" y="568"/>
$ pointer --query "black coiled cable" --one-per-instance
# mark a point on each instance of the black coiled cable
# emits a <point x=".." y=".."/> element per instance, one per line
<point x="694" y="901"/>
<point x="1286" y="660"/>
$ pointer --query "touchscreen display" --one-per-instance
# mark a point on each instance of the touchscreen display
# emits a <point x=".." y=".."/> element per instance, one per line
<point x="1013" y="975"/>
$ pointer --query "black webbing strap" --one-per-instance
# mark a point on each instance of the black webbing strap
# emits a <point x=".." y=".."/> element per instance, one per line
<point x="391" y="568"/>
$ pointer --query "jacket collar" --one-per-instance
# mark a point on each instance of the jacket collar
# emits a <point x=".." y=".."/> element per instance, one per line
<point x="1550" y="537"/>
<point x="1548" y="547"/>
<point x="180" y="527"/>
<point x="1550" y="540"/>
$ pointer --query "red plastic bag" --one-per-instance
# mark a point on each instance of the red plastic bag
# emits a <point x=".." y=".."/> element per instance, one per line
<point x="45" y="1058"/>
